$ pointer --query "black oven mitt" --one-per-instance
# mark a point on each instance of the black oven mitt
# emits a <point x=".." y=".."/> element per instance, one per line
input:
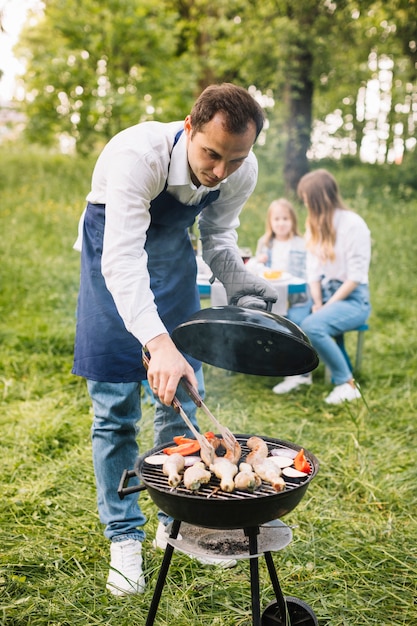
<point x="242" y="287"/>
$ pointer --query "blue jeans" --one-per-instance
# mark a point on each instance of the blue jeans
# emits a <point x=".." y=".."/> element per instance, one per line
<point x="117" y="412"/>
<point x="297" y="313"/>
<point x="332" y="320"/>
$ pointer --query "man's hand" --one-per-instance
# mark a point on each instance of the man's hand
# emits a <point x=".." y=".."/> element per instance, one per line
<point x="242" y="287"/>
<point x="166" y="367"/>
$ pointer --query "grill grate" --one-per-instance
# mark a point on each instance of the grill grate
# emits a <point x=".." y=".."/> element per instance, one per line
<point x="154" y="477"/>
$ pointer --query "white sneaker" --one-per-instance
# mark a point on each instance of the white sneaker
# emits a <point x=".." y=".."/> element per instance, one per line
<point x="126" y="575"/>
<point x="161" y="540"/>
<point x="161" y="537"/>
<point x="343" y="393"/>
<point x="290" y="383"/>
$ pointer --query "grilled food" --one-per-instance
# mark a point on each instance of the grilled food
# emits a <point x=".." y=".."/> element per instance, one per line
<point x="258" y="450"/>
<point x="269" y="472"/>
<point x="246" y="479"/>
<point x="172" y="467"/>
<point x="226" y="471"/>
<point x="233" y="454"/>
<point x="195" y="476"/>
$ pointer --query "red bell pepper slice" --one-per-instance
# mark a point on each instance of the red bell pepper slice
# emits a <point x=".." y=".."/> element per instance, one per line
<point x="300" y="462"/>
<point x="191" y="447"/>
<point x="180" y="439"/>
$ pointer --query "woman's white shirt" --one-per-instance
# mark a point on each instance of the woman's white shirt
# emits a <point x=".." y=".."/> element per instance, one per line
<point x="352" y="252"/>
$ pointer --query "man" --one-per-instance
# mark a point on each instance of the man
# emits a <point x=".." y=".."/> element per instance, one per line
<point x="138" y="282"/>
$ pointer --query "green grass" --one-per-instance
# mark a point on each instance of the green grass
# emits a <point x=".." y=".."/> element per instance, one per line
<point x="353" y="554"/>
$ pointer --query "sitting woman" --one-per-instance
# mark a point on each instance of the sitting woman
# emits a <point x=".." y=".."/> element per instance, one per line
<point x="338" y="259"/>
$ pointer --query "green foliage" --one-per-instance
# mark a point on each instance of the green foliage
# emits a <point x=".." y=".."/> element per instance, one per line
<point x="96" y="67"/>
<point x="353" y="554"/>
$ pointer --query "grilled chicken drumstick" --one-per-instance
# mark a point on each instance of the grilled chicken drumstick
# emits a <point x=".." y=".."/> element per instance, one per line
<point x="172" y="467"/>
<point x="264" y="467"/>
<point x="258" y="449"/>
<point x="226" y="471"/>
<point x="195" y="476"/>
<point x="269" y="472"/>
<point x="234" y="454"/>
<point x="247" y="479"/>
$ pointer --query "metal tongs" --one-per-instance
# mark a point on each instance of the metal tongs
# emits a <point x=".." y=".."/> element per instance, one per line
<point x="229" y="439"/>
<point x="206" y="449"/>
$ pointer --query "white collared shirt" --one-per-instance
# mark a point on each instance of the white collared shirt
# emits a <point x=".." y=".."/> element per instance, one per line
<point x="130" y="172"/>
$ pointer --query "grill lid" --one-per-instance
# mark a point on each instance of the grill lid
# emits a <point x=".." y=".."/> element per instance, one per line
<point x="246" y="341"/>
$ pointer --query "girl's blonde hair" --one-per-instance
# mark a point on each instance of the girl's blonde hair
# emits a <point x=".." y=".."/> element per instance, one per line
<point x="320" y="193"/>
<point x="269" y="236"/>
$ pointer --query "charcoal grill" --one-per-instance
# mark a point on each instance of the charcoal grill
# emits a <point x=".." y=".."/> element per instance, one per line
<point x="212" y="508"/>
<point x="250" y="342"/>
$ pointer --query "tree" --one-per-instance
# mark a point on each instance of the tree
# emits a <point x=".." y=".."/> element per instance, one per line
<point x="294" y="50"/>
<point x="315" y="57"/>
<point x="95" y="66"/>
<point x="299" y="51"/>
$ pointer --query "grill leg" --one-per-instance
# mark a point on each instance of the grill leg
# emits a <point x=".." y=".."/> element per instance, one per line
<point x="277" y="589"/>
<point x="252" y="534"/>
<point x="162" y="574"/>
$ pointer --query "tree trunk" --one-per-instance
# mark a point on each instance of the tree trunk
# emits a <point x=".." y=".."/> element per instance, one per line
<point x="299" y="102"/>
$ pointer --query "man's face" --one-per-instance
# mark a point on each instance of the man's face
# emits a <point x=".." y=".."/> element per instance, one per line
<point x="213" y="153"/>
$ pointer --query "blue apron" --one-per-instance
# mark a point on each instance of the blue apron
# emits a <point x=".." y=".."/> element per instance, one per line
<point x="104" y="349"/>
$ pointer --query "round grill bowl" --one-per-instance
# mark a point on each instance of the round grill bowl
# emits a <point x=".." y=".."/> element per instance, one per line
<point x="212" y="508"/>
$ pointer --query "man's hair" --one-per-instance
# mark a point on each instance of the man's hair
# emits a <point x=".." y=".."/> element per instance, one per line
<point x="235" y="103"/>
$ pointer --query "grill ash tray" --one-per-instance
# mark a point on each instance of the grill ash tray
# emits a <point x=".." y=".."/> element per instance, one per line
<point x="224" y="544"/>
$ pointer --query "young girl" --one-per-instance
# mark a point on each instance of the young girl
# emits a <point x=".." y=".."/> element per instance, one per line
<point x="338" y="258"/>
<point x="282" y="249"/>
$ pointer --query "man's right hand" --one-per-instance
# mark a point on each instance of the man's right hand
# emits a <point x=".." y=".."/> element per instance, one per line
<point x="166" y="368"/>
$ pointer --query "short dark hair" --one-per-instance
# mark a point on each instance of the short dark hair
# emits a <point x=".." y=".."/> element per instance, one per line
<point x="236" y="104"/>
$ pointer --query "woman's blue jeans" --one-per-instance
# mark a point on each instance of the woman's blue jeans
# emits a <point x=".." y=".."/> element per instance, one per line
<point x="333" y="320"/>
<point x="297" y="313"/>
<point x="117" y="412"/>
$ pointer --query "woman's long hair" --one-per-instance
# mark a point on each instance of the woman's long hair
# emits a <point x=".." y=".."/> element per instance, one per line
<point x="269" y="236"/>
<point x="320" y="193"/>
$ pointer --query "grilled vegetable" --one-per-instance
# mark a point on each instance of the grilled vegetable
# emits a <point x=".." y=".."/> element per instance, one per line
<point x="184" y="448"/>
<point x="300" y="462"/>
<point x="179" y="440"/>
<point x="291" y="472"/>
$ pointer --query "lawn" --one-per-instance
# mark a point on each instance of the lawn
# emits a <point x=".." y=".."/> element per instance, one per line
<point x="353" y="553"/>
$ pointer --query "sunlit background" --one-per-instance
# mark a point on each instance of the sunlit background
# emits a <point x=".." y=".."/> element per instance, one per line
<point x="332" y="137"/>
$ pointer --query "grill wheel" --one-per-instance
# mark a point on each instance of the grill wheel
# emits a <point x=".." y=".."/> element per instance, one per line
<point x="299" y="612"/>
